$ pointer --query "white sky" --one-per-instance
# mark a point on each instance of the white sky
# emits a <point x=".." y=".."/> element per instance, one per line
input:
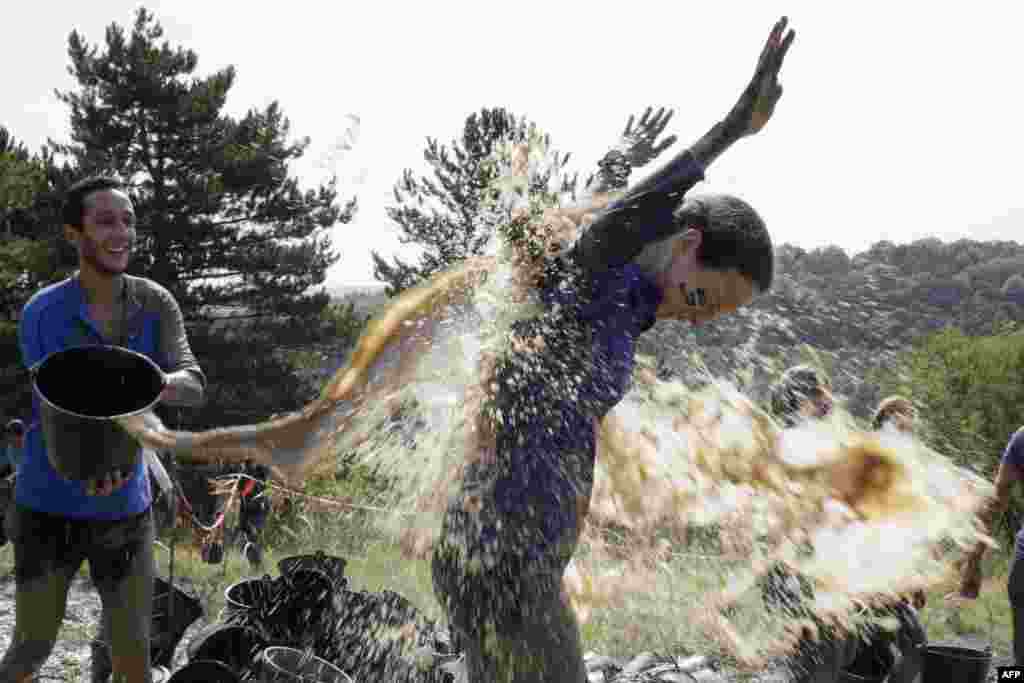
<point x="899" y="120"/>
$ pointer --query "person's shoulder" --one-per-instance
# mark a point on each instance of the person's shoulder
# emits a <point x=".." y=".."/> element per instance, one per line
<point x="47" y="297"/>
<point x="150" y="292"/>
<point x="1015" y="448"/>
<point x="143" y="286"/>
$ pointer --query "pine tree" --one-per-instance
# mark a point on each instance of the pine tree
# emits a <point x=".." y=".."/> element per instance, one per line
<point x="451" y="229"/>
<point x="221" y="223"/>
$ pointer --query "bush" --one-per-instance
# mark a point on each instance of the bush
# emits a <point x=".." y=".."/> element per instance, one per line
<point x="971" y="397"/>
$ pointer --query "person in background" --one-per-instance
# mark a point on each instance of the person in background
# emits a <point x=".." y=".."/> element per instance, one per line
<point x="55" y="524"/>
<point x="1010" y="472"/>
<point x="14" y="446"/>
<point x="899" y="414"/>
<point x="253" y="507"/>
<point x="802" y="393"/>
<point x="895" y="412"/>
<point x="197" y="482"/>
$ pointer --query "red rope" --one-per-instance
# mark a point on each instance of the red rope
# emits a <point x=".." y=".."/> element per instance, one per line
<point x="218" y="522"/>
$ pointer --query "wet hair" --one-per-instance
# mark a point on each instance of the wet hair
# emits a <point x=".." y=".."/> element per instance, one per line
<point x="891" y="407"/>
<point x="799" y="384"/>
<point x="73" y="211"/>
<point x="733" y="237"/>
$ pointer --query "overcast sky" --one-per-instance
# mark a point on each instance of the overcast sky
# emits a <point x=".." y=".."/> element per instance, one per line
<point x="899" y="120"/>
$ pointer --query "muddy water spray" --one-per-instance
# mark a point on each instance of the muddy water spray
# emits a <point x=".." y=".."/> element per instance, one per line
<point x="858" y="515"/>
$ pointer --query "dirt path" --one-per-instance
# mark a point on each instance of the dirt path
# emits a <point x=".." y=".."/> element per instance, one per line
<point x="72" y="656"/>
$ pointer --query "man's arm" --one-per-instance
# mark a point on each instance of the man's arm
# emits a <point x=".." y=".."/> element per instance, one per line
<point x="186" y="382"/>
<point x="1006" y="477"/>
<point x="646" y="213"/>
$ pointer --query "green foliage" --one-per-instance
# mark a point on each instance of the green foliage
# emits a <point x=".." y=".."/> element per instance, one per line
<point x="29" y="255"/>
<point x="221" y="223"/>
<point x="970" y="395"/>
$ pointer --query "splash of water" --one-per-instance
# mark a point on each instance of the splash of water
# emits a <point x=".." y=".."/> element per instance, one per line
<point x="861" y="516"/>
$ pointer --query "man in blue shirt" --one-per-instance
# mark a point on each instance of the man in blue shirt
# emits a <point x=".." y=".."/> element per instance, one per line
<point x="1011" y="471"/>
<point x="508" y="535"/>
<point x="55" y="523"/>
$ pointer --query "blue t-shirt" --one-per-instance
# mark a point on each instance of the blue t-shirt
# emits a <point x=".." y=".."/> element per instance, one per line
<point x="57" y="318"/>
<point x="1014" y="455"/>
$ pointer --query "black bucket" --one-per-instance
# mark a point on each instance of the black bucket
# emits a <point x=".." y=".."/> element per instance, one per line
<point x="82" y="390"/>
<point x="205" y="672"/>
<point x="280" y="664"/>
<point x="331" y="565"/>
<point x="236" y="646"/>
<point x="950" y="664"/>
<point x="851" y="677"/>
<point x="244" y="596"/>
<point x="174" y="611"/>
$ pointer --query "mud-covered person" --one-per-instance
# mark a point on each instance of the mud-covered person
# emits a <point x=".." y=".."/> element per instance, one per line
<point x="653" y="254"/>
<point x="55" y="524"/>
<point x="1009" y="474"/>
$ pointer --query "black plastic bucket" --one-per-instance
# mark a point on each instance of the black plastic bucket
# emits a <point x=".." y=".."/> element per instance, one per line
<point x="244" y="596"/>
<point x="851" y="677"/>
<point x="280" y="664"/>
<point x="174" y="611"/>
<point x="331" y="565"/>
<point x="205" y="672"/>
<point x="236" y="646"/>
<point x="82" y="390"/>
<point x="950" y="664"/>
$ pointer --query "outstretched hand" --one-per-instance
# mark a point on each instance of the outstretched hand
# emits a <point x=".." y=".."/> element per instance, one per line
<point x="757" y="103"/>
<point x="638" y="143"/>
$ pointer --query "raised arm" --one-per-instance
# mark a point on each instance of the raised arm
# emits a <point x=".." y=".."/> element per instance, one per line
<point x="636" y="148"/>
<point x="645" y="214"/>
<point x="748" y="116"/>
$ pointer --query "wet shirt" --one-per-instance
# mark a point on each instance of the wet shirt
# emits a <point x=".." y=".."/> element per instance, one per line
<point x="528" y="504"/>
<point x="57" y="318"/>
<point x="1014" y="455"/>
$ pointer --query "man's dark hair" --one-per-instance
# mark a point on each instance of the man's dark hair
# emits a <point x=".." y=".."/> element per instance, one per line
<point x="74" y="200"/>
<point x="798" y="384"/>
<point x="733" y="236"/>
